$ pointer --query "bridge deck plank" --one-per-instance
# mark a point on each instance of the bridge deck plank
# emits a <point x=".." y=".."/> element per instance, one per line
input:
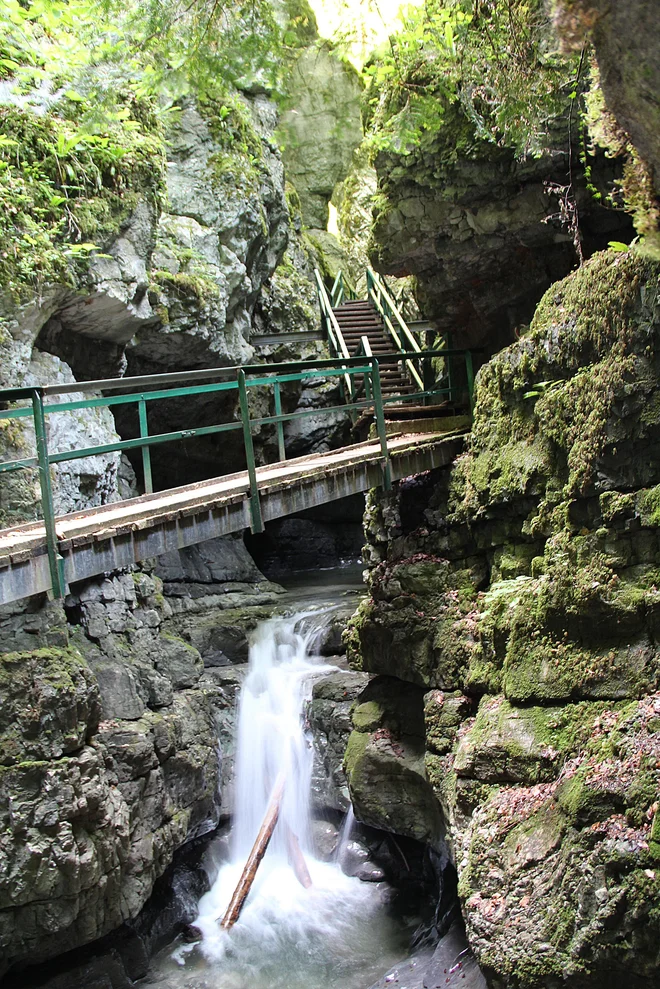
<point x="20" y="542"/>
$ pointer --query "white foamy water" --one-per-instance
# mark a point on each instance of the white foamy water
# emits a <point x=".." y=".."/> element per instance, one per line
<point x="337" y="934"/>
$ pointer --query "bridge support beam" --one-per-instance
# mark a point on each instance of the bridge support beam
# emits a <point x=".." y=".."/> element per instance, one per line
<point x="121" y="534"/>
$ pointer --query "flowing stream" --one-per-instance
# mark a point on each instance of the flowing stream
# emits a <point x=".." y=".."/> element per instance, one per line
<point x="337" y="934"/>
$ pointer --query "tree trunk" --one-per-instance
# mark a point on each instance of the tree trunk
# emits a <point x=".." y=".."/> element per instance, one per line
<point x="255" y="856"/>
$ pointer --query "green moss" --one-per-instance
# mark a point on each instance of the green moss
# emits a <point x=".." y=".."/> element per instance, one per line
<point x="186" y="285"/>
<point x="654" y="838"/>
<point x="584" y="802"/>
<point x="529" y="440"/>
<point x="642" y="795"/>
<point x="294" y="204"/>
<point x="616" y="507"/>
<point x="239" y="160"/>
<point x="65" y="189"/>
<point x="50" y="703"/>
<point x="355" y="752"/>
<point x="368" y="716"/>
<point x="301" y="29"/>
<point x="648" y="506"/>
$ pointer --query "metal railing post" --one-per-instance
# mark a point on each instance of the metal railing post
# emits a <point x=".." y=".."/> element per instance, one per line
<point x="448" y="342"/>
<point x="255" y="504"/>
<point x="281" y="452"/>
<point x="55" y="561"/>
<point x="428" y="378"/>
<point x="380" y="423"/>
<point x="469" y="373"/>
<point x="366" y="347"/>
<point x="146" y="452"/>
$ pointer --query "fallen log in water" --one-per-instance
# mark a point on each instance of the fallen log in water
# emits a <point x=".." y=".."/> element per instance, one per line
<point x="297" y="859"/>
<point x="255" y="856"/>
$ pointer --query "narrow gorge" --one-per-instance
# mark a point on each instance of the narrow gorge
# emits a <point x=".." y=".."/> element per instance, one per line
<point x="345" y="537"/>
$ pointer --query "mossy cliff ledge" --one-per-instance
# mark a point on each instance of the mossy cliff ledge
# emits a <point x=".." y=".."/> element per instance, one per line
<point x="517" y="593"/>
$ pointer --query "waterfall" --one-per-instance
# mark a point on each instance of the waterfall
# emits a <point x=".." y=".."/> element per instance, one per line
<point x="345" y="837"/>
<point x="335" y="934"/>
<point x="271" y="735"/>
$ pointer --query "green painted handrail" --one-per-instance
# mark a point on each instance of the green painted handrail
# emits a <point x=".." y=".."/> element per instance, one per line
<point x="416" y="360"/>
<point x="192" y="383"/>
<point x="394" y="323"/>
<point x="342" y="290"/>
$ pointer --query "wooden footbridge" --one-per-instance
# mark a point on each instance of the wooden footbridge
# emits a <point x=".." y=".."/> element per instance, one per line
<point x="51" y="554"/>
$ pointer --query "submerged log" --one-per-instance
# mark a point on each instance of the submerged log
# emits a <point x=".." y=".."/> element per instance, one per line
<point x="254" y="858"/>
<point x="297" y="859"/>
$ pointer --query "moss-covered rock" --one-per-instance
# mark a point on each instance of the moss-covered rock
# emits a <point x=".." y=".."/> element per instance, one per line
<point x="539" y="619"/>
<point x="384" y="761"/>
<point x="524" y="745"/>
<point x="49" y="704"/>
<point x="574" y="855"/>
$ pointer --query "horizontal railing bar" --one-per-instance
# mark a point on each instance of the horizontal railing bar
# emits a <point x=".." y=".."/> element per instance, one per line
<point x="139" y="441"/>
<point x="139" y="382"/>
<point x="79" y="454"/>
<point x="21" y="413"/>
<point x="109" y="400"/>
<point x="8" y="465"/>
<point x="339" y="373"/>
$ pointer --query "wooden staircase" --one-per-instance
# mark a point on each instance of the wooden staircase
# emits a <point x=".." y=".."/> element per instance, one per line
<point x="358" y="318"/>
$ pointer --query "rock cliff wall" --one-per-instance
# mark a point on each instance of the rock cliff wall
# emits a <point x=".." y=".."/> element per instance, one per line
<point x="487" y="189"/>
<point x="109" y="761"/>
<point x="514" y="601"/>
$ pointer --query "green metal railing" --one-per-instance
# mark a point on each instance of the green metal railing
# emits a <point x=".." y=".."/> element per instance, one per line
<point x="363" y="392"/>
<point x="416" y="361"/>
<point x="395" y="325"/>
<point x="342" y="290"/>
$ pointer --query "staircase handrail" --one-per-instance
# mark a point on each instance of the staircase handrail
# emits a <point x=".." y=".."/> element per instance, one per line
<point x="387" y="308"/>
<point x="335" y="336"/>
<point x="342" y="289"/>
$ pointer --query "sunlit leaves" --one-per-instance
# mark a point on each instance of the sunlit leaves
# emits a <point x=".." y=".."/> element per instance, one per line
<point x="494" y="60"/>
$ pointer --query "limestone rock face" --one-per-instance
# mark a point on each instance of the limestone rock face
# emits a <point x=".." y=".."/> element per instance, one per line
<point x="384" y="762"/>
<point x="77" y="484"/>
<point x="329" y="715"/>
<point x="628" y="54"/>
<point x="517" y="592"/>
<point x="320" y="130"/>
<point x="478" y="234"/>
<point x="108" y="762"/>
<point x="175" y="287"/>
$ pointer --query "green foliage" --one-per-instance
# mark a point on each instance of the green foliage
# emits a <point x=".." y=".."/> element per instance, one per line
<point x="486" y="71"/>
<point x="161" y="47"/>
<point x="94" y="84"/>
<point x="63" y="190"/>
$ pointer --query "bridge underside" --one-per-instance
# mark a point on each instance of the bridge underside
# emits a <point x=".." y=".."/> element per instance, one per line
<point x="114" y="536"/>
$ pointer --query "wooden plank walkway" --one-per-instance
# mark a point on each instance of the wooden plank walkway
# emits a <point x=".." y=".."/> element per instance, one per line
<point x="118" y="535"/>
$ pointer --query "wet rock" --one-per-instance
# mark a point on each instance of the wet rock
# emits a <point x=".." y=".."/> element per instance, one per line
<point x="325" y="837"/>
<point x="220" y="634"/>
<point x="113" y="728"/>
<point x="333" y="696"/>
<point x="384" y="762"/>
<point x="369" y="873"/>
<point x="450" y="964"/>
